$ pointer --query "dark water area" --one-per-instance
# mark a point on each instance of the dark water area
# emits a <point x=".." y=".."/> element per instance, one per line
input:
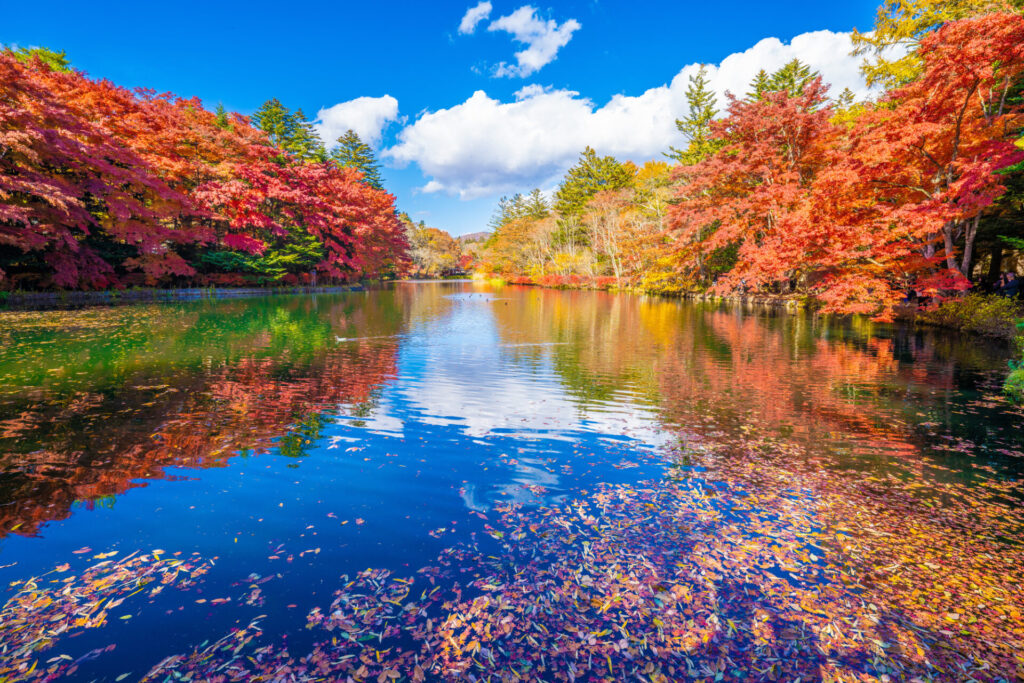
<point x="250" y="458"/>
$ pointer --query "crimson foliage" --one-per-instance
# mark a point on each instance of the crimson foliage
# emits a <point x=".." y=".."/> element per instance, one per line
<point x="101" y="186"/>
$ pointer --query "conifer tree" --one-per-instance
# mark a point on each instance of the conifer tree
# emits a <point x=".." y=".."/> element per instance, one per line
<point x="533" y="206"/>
<point x="845" y="100"/>
<point x="590" y="175"/>
<point x="288" y="131"/>
<point x="56" y="61"/>
<point x="354" y="153"/>
<point x="305" y="143"/>
<point x="222" y="117"/>
<point x="274" y="119"/>
<point x="508" y="210"/>
<point x="536" y="206"/>
<point x="696" y="126"/>
<point x="793" y="77"/>
<point x="758" y="86"/>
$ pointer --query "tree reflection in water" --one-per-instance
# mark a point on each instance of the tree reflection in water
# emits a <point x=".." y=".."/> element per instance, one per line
<point x="545" y="485"/>
<point x="134" y="391"/>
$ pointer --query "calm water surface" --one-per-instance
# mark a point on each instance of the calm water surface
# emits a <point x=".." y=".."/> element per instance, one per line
<point x="290" y="441"/>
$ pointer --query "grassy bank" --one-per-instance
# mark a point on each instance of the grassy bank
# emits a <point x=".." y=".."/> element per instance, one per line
<point x="987" y="315"/>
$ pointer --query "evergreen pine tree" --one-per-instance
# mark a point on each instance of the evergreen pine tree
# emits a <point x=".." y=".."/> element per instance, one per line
<point x="506" y="212"/>
<point x="532" y="206"/>
<point x="289" y="131"/>
<point x="353" y="152"/>
<point x="222" y="117"/>
<point x="759" y="85"/>
<point x="274" y="119"/>
<point x="845" y="100"/>
<point x="535" y="205"/>
<point x="696" y="126"/>
<point x="792" y="77"/>
<point x="590" y="175"/>
<point x="295" y="253"/>
<point x="305" y="143"/>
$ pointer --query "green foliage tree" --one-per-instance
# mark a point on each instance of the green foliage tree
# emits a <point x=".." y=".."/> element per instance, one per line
<point x="792" y="78"/>
<point x="696" y="125"/>
<point x="590" y="175"/>
<point x="222" y="117"/>
<point x="305" y="142"/>
<point x="274" y="119"/>
<point x="533" y="206"/>
<point x="295" y="253"/>
<point x="56" y="61"/>
<point x="901" y="24"/>
<point x="508" y="210"/>
<point x="289" y="130"/>
<point x="352" y="152"/>
<point x="536" y="205"/>
<point x="758" y="85"/>
<point x="845" y="100"/>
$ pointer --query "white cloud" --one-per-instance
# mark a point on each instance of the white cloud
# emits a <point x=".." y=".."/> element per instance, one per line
<point x="483" y="146"/>
<point x="473" y="16"/>
<point x="826" y="51"/>
<point x="543" y="40"/>
<point x="367" y="116"/>
<point x="532" y="90"/>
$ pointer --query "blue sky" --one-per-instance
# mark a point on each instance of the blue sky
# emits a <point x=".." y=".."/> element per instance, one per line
<point x="458" y="119"/>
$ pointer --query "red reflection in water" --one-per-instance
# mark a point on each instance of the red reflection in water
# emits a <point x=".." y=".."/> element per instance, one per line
<point x="101" y="437"/>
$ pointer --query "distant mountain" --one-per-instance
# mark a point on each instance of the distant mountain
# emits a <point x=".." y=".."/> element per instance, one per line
<point x="474" y="237"/>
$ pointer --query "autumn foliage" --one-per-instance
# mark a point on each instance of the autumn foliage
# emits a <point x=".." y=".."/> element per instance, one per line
<point x="861" y="214"/>
<point x="753" y="194"/>
<point x="912" y="179"/>
<point x="791" y="191"/>
<point x="101" y="186"/>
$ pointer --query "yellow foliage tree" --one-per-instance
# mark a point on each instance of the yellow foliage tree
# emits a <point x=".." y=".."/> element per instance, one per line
<point x="891" y="46"/>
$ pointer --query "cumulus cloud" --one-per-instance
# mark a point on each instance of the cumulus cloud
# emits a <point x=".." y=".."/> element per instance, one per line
<point x="367" y="116"/>
<point x="826" y="51"/>
<point x="543" y="40"/>
<point x="484" y="146"/>
<point x="473" y="16"/>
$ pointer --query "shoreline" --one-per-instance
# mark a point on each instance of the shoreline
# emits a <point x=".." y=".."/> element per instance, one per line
<point x="25" y="300"/>
<point x="790" y="303"/>
<point x="18" y="301"/>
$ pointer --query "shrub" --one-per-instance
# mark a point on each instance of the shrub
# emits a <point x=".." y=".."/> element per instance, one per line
<point x="1014" y="386"/>
<point x="986" y="314"/>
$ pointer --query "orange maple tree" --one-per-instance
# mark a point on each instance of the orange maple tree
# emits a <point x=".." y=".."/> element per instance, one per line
<point x="860" y="215"/>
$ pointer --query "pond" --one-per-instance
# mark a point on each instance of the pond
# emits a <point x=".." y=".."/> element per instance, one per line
<point x="457" y="481"/>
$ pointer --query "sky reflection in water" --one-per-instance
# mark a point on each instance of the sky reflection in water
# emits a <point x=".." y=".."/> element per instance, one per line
<point x="294" y="440"/>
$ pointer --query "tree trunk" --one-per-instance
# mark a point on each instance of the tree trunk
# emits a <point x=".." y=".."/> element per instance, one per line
<point x="970" y="232"/>
<point x="950" y="247"/>
<point x="929" y="250"/>
<point x="995" y="266"/>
